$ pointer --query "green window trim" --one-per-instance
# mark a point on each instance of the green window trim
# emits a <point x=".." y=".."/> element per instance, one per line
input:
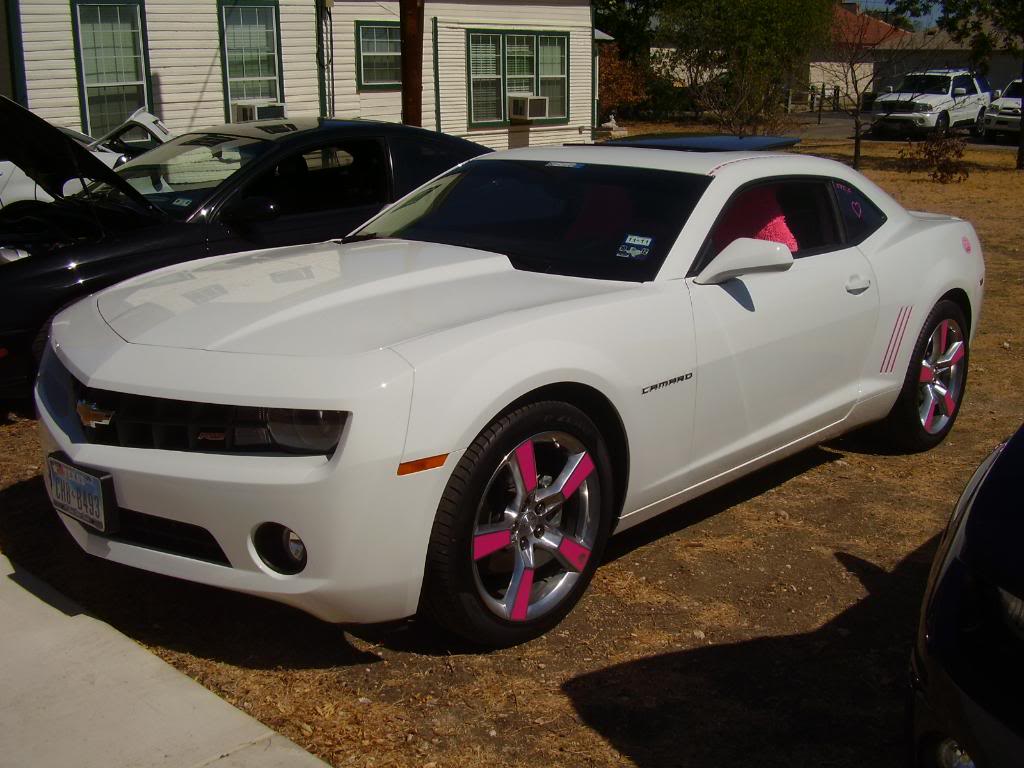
<point x="361" y="84"/>
<point x="146" y="81"/>
<point x="502" y="74"/>
<point x="223" y="5"/>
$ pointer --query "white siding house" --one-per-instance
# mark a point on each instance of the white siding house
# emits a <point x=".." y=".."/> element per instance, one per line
<point x="86" y="64"/>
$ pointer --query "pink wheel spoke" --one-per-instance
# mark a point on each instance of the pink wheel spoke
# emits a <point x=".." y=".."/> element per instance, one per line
<point x="517" y="601"/>
<point x="945" y="397"/>
<point x="943" y="334"/>
<point x="574" y="553"/>
<point x="576" y="471"/>
<point x="930" y="415"/>
<point x="527" y="463"/>
<point x="927" y="373"/>
<point x="953" y="355"/>
<point x="485" y="544"/>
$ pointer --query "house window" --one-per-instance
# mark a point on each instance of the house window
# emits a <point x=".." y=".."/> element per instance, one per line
<point x="511" y="63"/>
<point x="112" y="63"/>
<point x="252" y="72"/>
<point x="379" y="55"/>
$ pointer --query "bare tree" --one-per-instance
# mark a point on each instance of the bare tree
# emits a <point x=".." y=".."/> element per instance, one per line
<point x="861" y="48"/>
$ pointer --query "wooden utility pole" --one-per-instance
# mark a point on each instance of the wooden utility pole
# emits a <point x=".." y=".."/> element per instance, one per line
<point x="410" y="13"/>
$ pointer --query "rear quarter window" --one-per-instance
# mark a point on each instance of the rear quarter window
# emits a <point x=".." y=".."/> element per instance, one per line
<point x="860" y="216"/>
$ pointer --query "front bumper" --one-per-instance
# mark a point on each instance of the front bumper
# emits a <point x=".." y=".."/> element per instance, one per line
<point x="365" y="528"/>
<point x="1008" y="123"/>
<point x="906" y="121"/>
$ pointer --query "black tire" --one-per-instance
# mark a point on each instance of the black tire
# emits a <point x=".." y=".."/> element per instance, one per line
<point x="942" y="125"/>
<point x="978" y="129"/>
<point x="905" y="425"/>
<point x="453" y="592"/>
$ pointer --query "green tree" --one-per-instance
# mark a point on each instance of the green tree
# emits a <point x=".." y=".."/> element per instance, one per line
<point x="988" y="25"/>
<point x="741" y="56"/>
<point x="892" y="18"/>
<point x="631" y="23"/>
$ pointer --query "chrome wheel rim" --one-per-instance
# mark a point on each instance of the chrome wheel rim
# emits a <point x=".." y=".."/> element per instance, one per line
<point x="535" y="528"/>
<point x="941" y="378"/>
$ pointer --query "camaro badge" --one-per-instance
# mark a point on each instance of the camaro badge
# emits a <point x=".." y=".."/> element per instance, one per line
<point x="668" y="383"/>
<point x="92" y="415"/>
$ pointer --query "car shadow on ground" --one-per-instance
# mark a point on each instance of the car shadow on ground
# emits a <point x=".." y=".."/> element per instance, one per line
<point x="833" y="696"/>
<point x="159" y="611"/>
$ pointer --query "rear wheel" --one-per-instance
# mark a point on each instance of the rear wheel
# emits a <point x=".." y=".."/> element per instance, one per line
<point x="935" y="382"/>
<point x="978" y="129"/>
<point x="521" y="526"/>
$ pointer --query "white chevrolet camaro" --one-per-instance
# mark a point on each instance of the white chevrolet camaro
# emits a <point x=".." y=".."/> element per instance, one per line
<point x="450" y="411"/>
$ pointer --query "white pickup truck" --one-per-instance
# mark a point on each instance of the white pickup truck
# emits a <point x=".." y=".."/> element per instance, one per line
<point x="935" y="100"/>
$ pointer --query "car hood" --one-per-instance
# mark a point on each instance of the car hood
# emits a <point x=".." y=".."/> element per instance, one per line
<point x="328" y="299"/>
<point x="909" y="96"/>
<point x="1004" y="101"/>
<point x="50" y="158"/>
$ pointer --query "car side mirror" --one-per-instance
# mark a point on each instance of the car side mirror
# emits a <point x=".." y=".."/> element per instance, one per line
<point x="744" y="256"/>
<point x="959" y="91"/>
<point x="121" y="160"/>
<point x="250" y="210"/>
<point x="996" y="94"/>
<point x="888" y="89"/>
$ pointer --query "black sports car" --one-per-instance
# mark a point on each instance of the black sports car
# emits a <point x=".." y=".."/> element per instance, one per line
<point x="967" y="669"/>
<point x="229" y="188"/>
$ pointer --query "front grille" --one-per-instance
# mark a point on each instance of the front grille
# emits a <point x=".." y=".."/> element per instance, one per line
<point x="1011" y="111"/>
<point x="897" y="106"/>
<point x="169" y="536"/>
<point x="138" y="421"/>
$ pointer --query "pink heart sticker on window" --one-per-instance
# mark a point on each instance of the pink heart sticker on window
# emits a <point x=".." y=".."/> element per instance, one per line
<point x="857" y="210"/>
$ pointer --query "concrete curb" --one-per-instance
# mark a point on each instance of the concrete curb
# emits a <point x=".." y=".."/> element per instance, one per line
<point x="77" y="692"/>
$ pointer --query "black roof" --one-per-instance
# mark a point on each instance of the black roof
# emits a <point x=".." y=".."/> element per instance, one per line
<point x="284" y="128"/>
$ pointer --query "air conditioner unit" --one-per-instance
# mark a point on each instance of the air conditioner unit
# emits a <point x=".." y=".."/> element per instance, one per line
<point x="523" y="109"/>
<point x="246" y="111"/>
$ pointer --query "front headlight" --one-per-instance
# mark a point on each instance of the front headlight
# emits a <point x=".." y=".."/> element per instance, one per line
<point x="307" y="431"/>
<point x="919" y="107"/>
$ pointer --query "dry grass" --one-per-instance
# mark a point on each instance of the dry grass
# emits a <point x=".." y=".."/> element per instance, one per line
<point x="769" y="622"/>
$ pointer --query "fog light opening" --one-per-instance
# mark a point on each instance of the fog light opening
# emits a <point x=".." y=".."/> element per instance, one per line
<point x="950" y="754"/>
<point x="280" y="548"/>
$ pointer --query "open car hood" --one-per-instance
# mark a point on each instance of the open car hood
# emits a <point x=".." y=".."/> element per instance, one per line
<point x="50" y="158"/>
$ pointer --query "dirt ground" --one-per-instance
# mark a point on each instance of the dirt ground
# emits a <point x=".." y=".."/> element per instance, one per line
<point x="766" y="624"/>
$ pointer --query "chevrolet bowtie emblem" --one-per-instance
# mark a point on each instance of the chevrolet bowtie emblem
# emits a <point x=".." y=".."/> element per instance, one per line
<point x="92" y="415"/>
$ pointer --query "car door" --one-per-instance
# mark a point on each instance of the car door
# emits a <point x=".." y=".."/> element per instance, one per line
<point x="316" y="193"/>
<point x="779" y="354"/>
<point x="966" y="106"/>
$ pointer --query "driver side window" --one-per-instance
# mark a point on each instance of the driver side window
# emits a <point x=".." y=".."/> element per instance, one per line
<point x="796" y="213"/>
<point x="343" y="174"/>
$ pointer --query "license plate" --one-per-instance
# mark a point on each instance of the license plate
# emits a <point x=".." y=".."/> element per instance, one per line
<point x="80" y="493"/>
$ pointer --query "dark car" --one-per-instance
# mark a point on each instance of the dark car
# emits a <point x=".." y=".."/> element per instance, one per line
<point x="226" y="189"/>
<point x="967" y="669"/>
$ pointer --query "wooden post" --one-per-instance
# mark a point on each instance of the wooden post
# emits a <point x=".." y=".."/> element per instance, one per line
<point x="410" y="15"/>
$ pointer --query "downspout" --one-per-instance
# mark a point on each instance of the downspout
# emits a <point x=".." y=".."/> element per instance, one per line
<point x="437" y="76"/>
<point x="16" y="50"/>
<point x="593" y="77"/>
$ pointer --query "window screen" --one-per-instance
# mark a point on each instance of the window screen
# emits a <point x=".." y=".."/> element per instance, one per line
<point x="485" y="78"/>
<point x="380" y="55"/>
<point x="250" y="46"/>
<point x="113" y="68"/>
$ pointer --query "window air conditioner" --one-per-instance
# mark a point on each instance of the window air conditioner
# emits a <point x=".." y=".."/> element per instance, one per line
<point x="249" y="110"/>
<point x="523" y="109"/>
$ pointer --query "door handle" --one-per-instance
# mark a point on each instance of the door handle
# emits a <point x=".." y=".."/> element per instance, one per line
<point x="857" y="284"/>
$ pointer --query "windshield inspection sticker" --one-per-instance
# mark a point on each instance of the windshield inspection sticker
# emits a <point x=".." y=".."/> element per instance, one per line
<point x="559" y="164"/>
<point x="635" y="247"/>
<point x="182" y="201"/>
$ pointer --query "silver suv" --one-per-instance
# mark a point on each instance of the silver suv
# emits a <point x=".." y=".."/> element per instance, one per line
<point x="934" y="100"/>
<point x="1004" y="113"/>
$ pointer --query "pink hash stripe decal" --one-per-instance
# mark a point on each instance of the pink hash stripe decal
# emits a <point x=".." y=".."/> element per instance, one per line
<point x="488" y="543"/>
<point x="575" y="553"/>
<point x="584" y="468"/>
<point x="896" y="339"/>
<point x="527" y="465"/>
<point x="522" y="601"/>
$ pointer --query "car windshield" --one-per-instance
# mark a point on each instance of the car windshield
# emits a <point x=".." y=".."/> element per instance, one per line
<point x="566" y="218"/>
<point x="921" y="84"/>
<point x="1013" y="90"/>
<point x="177" y="177"/>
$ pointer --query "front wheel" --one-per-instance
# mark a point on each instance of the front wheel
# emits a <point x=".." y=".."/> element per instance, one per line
<point x="942" y="125"/>
<point x="521" y="526"/>
<point x="935" y="382"/>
